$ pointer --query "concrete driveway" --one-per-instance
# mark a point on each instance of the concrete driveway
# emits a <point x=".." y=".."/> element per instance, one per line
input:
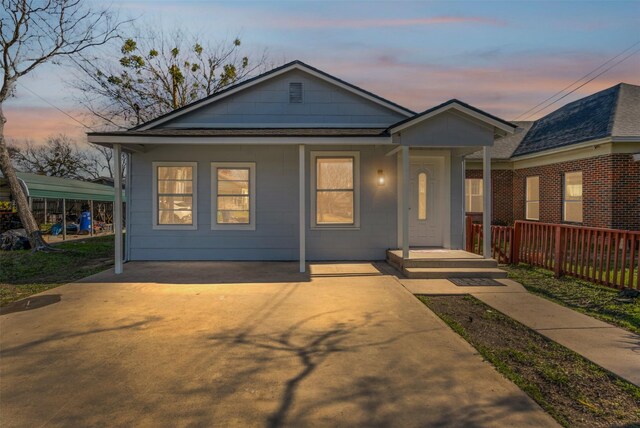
<point x="245" y="344"/>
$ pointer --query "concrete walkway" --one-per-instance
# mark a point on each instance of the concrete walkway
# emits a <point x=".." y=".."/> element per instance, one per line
<point x="245" y="344"/>
<point x="610" y="347"/>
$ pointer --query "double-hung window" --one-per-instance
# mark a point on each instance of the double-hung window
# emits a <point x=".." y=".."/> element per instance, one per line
<point x="335" y="188"/>
<point x="473" y="195"/>
<point x="233" y="204"/>
<point x="532" y="202"/>
<point x="174" y="195"/>
<point x="572" y="197"/>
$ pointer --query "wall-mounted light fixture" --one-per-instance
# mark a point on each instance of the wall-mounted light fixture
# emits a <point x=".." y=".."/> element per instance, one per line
<point x="381" y="179"/>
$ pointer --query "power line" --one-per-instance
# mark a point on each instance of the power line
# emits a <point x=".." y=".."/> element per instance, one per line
<point x="588" y="81"/>
<point x="578" y="80"/>
<point x="56" y="107"/>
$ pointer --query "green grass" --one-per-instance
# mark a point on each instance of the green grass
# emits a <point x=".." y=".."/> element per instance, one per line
<point x="586" y="297"/>
<point x="24" y="273"/>
<point x="570" y="388"/>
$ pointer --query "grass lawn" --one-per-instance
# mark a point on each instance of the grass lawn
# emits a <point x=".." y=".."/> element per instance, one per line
<point x="586" y="297"/>
<point x="570" y="388"/>
<point x="24" y="273"/>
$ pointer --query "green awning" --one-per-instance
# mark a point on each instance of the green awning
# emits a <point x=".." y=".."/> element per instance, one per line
<point x="42" y="186"/>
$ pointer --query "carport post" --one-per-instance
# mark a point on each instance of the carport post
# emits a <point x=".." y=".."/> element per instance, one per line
<point x="45" y="210"/>
<point x="117" y="208"/>
<point x="91" y="216"/>
<point x="486" y="203"/>
<point x="64" y="219"/>
<point x="302" y="200"/>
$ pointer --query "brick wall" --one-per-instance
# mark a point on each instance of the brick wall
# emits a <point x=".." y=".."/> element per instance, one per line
<point x="502" y="185"/>
<point x="610" y="191"/>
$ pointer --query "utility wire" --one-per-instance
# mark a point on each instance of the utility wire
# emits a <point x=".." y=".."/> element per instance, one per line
<point x="55" y="107"/>
<point x="588" y="81"/>
<point x="578" y="80"/>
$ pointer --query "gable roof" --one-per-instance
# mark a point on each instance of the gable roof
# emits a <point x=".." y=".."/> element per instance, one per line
<point x="504" y="147"/>
<point x="293" y="65"/>
<point x="453" y="104"/>
<point x="613" y="112"/>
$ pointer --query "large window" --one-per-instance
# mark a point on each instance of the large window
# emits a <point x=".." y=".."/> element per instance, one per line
<point x="174" y="198"/>
<point x="572" y="200"/>
<point x="233" y="199"/>
<point x="532" y="202"/>
<point x="473" y="195"/>
<point x="335" y="189"/>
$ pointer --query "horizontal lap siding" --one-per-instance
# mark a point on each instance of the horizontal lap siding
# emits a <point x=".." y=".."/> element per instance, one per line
<point x="378" y="216"/>
<point x="276" y="235"/>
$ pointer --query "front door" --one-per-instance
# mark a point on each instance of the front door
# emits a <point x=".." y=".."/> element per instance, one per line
<point x="426" y="202"/>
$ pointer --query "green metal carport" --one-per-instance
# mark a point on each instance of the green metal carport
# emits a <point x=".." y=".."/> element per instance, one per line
<point x="46" y="187"/>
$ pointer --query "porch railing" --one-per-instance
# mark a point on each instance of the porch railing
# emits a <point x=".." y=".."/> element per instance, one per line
<point x="609" y="257"/>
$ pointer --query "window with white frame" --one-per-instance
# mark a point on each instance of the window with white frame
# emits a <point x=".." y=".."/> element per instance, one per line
<point x="572" y="197"/>
<point x="335" y="189"/>
<point x="234" y="192"/>
<point x="532" y="198"/>
<point x="174" y="197"/>
<point x="473" y="195"/>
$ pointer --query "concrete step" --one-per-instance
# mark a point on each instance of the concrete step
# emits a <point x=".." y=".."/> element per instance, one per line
<point x="443" y="273"/>
<point x="450" y="263"/>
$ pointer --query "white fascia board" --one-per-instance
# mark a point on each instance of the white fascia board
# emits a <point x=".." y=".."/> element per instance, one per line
<point x="154" y="140"/>
<point x="481" y="117"/>
<point x="242" y="87"/>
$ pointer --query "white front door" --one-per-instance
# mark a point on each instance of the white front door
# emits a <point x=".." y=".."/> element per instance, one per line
<point x="426" y="202"/>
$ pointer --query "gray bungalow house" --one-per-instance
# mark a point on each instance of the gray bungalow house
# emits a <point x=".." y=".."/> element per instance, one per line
<point x="296" y="164"/>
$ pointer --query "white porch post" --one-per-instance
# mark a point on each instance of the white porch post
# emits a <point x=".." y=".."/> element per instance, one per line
<point x="117" y="207"/>
<point x="303" y="229"/>
<point x="405" y="202"/>
<point x="486" y="202"/>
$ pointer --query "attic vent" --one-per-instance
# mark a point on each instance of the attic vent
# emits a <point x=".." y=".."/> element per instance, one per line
<point x="295" y="93"/>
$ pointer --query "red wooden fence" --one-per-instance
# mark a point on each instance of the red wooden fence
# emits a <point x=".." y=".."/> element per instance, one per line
<point x="501" y="240"/>
<point x="608" y="257"/>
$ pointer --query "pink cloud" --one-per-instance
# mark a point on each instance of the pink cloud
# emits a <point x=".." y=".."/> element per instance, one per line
<point x="37" y="123"/>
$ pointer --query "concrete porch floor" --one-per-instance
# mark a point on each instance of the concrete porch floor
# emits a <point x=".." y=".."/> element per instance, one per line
<point x="246" y="344"/>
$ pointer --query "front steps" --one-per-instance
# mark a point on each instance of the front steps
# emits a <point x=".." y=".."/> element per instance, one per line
<point x="442" y="265"/>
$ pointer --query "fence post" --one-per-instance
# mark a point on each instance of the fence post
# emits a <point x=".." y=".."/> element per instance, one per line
<point x="558" y="256"/>
<point x="469" y="233"/>
<point x="515" y="243"/>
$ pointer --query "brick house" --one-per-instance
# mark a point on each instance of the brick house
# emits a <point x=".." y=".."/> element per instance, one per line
<point x="579" y="164"/>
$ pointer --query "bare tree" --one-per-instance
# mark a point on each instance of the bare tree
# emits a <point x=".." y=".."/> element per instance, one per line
<point x="33" y="32"/>
<point x="59" y="156"/>
<point x="156" y="72"/>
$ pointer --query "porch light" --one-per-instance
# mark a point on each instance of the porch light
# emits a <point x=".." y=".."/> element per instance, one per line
<point x="380" y="178"/>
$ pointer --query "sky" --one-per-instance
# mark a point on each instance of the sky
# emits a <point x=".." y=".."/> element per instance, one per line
<point x="502" y="57"/>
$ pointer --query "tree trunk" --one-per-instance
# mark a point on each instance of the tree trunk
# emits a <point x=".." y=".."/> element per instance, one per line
<point x="26" y="216"/>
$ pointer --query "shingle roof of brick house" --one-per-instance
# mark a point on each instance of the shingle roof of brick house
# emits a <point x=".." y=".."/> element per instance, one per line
<point x="613" y="112"/>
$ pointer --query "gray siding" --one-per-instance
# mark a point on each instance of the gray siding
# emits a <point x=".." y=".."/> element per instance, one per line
<point x="276" y="235"/>
<point x="448" y="130"/>
<point x="267" y="105"/>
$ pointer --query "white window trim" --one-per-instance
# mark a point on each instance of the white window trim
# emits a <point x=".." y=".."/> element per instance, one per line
<point x="194" y="195"/>
<point x="526" y="201"/>
<point x="564" y="197"/>
<point x="356" y="191"/>
<point x="251" y="166"/>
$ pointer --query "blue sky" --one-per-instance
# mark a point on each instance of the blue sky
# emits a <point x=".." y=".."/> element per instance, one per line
<point x="503" y="57"/>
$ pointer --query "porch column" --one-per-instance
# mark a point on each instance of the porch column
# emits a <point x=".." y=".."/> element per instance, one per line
<point x="91" y="217"/>
<point x="405" y="202"/>
<point x="301" y="208"/>
<point x="486" y="202"/>
<point x="117" y="207"/>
